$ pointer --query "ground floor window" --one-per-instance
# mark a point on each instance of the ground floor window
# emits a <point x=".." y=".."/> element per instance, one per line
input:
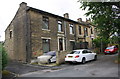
<point x="46" y="45"/>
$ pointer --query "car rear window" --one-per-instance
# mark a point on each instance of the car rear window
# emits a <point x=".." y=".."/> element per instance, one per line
<point x="109" y="47"/>
<point x="75" y="52"/>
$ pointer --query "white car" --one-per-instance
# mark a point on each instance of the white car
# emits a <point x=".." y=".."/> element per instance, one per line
<point x="81" y="55"/>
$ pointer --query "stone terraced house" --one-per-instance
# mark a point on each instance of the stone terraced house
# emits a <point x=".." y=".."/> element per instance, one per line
<point x="33" y="32"/>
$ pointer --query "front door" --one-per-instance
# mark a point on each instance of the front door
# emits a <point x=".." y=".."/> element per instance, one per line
<point x="60" y="44"/>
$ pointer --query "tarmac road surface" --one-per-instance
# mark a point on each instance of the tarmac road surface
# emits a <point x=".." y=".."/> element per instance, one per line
<point x="103" y="67"/>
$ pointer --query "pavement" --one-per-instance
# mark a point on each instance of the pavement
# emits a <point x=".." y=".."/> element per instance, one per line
<point x="18" y="68"/>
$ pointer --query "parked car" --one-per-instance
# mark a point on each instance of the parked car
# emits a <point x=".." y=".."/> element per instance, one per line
<point x="48" y="57"/>
<point x="111" y="50"/>
<point x="81" y="55"/>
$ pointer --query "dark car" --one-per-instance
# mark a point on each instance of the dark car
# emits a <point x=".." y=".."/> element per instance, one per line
<point x="111" y="50"/>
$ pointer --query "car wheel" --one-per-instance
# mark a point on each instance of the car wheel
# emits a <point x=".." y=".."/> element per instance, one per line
<point x="83" y="60"/>
<point x="95" y="57"/>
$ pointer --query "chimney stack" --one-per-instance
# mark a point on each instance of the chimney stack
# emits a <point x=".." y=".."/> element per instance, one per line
<point x="88" y="20"/>
<point x="66" y="15"/>
<point x="79" y="20"/>
<point x="23" y="4"/>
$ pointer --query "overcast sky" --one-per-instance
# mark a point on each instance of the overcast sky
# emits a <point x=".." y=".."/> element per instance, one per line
<point x="8" y="9"/>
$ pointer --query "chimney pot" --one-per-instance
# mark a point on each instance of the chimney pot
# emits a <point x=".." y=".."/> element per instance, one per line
<point x="23" y="3"/>
<point x="66" y="15"/>
<point x="88" y="20"/>
<point x="79" y="19"/>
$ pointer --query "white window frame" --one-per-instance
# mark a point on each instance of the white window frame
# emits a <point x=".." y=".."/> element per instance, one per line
<point x="62" y="44"/>
<point x="60" y="25"/>
<point x="71" y="28"/>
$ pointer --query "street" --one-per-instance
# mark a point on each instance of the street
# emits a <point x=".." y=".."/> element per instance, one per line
<point x="103" y="67"/>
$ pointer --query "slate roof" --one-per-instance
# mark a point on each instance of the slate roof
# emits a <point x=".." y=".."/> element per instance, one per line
<point x="56" y="16"/>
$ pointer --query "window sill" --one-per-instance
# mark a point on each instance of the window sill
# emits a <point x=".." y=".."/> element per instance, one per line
<point x="45" y="29"/>
<point x="72" y="34"/>
<point x="60" y="32"/>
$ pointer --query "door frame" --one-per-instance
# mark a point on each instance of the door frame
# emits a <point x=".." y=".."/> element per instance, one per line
<point x="63" y="43"/>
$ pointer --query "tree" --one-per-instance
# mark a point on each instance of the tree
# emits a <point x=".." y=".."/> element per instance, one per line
<point x="100" y="43"/>
<point x="105" y="15"/>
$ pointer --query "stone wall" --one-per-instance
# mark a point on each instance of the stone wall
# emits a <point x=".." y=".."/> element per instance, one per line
<point x="16" y="43"/>
<point x="61" y="56"/>
<point x="37" y="33"/>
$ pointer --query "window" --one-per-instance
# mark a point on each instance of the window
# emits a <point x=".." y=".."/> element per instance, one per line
<point x="85" y="31"/>
<point x="91" y="30"/>
<point x="71" y="29"/>
<point x="75" y="52"/>
<point x="84" y="51"/>
<point x="89" y="51"/>
<point x="10" y="34"/>
<point x="45" y="23"/>
<point x="45" y="40"/>
<point x="60" y="26"/>
<point x="46" y="45"/>
<point x="80" y="30"/>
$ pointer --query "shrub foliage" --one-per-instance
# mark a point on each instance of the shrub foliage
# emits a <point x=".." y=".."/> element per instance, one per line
<point x="3" y="57"/>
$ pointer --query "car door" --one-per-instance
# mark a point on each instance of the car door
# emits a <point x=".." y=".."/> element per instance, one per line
<point x="91" y="55"/>
<point x="86" y="55"/>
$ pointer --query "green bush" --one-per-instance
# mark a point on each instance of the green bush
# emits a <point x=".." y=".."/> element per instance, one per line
<point x="4" y="57"/>
<point x="100" y="43"/>
<point x="0" y="57"/>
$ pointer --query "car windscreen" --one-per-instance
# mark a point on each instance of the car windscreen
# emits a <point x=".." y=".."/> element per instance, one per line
<point x="75" y="52"/>
<point x="52" y="53"/>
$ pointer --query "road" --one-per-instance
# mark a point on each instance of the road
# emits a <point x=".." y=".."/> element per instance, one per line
<point x="103" y="67"/>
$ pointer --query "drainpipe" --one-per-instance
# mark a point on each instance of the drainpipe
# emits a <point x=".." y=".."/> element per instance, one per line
<point x="65" y="25"/>
<point x="75" y="36"/>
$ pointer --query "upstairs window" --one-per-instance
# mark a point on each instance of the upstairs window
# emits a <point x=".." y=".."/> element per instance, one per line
<point x="80" y="30"/>
<point x="85" y="31"/>
<point x="71" y="29"/>
<point x="45" y="23"/>
<point x="59" y="26"/>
